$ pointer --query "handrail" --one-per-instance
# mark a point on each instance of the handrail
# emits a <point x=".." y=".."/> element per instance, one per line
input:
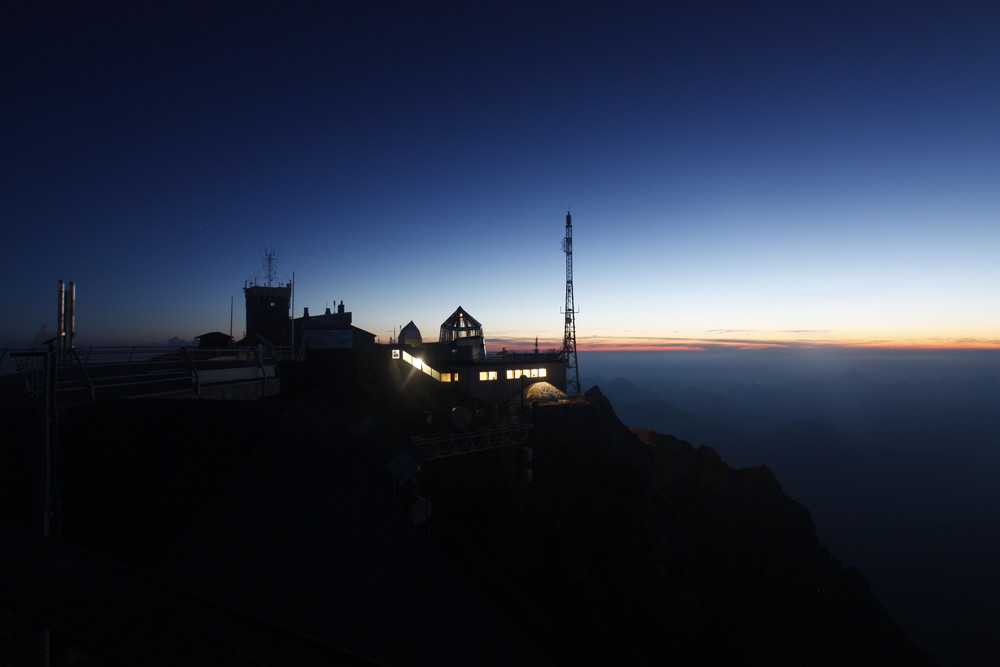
<point x="137" y="370"/>
<point x="90" y="381"/>
<point x="194" y="368"/>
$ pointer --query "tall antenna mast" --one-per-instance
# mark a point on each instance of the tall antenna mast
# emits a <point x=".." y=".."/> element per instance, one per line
<point x="569" y="333"/>
<point x="270" y="256"/>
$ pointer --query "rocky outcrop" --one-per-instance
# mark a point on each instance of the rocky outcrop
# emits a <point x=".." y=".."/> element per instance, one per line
<point x="641" y="549"/>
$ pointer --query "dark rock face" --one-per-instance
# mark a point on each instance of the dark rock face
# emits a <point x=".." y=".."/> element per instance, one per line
<point x="641" y="549"/>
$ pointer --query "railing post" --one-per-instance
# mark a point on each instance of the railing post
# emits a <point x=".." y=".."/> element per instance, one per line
<point x="86" y="374"/>
<point x="263" y="370"/>
<point x="194" y="369"/>
<point x="51" y="377"/>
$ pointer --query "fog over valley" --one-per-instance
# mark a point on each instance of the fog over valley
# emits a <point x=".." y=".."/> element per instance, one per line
<point x="893" y="452"/>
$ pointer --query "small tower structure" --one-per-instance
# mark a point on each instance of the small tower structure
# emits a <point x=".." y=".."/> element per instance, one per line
<point x="569" y="331"/>
<point x="464" y="334"/>
<point x="268" y="304"/>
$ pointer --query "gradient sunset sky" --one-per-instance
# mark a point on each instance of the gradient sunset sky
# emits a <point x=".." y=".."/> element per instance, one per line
<point x="739" y="173"/>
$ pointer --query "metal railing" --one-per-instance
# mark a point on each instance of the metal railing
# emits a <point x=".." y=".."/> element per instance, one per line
<point x="87" y="374"/>
<point x="455" y="444"/>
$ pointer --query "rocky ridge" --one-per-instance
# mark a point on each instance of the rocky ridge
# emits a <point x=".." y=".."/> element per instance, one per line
<point x="641" y="548"/>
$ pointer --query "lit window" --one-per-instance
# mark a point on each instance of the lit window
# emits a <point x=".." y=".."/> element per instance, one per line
<point x="541" y="372"/>
<point x="534" y="372"/>
<point x="395" y="354"/>
<point x="445" y="377"/>
<point x="482" y="376"/>
<point x="493" y="375"/>
<point x="454" y="378"/>
<point x="510" y="375"/>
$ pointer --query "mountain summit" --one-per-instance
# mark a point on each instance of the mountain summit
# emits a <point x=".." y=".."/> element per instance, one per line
<point x="639" y="547"/>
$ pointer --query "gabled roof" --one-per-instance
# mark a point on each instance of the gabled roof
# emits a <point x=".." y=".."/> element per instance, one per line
<point x="460" y="325"/>
<point x="214" y="334"/>
<point x="462" y="320"/>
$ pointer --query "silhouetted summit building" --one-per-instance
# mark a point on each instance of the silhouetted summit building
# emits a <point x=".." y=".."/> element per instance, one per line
<point x="329" y="332"/>
<point x="268" y="311"/>
<point x="268" y="304"/>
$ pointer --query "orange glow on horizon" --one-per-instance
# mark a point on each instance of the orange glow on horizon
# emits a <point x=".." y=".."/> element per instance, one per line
<point x="643" y="344"/>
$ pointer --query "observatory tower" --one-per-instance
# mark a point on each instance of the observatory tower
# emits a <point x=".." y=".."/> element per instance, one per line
<point x="268" y="304"/>
<point x="569" y="332"/>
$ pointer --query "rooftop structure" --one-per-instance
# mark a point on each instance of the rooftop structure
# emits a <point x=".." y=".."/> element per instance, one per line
<point x="268" y="305"/>
<point x="459" y="359"/>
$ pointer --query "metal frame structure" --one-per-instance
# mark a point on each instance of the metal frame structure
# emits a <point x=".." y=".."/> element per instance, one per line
<point x="569" y="332"/>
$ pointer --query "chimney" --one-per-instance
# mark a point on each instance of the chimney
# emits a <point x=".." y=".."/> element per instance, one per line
<point x="340" y="308"/>
<point x="305" y="313"/>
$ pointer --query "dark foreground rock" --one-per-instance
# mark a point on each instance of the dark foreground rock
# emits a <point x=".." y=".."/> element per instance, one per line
<point x="639" y="548"/>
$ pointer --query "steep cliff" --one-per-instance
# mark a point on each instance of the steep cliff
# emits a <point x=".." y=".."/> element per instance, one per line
<point x="641" y="549"/>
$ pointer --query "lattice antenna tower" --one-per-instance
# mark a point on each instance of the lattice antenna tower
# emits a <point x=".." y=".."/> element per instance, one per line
<point x="268" y="275"/>
<point x="270" y="262"/>
<point x="569" y="332"/>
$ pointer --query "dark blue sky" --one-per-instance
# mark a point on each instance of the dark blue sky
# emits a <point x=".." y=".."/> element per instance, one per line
<point x="739" y="173"/>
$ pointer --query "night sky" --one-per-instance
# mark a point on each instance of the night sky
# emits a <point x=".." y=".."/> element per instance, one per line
<point x="738" y="172"/>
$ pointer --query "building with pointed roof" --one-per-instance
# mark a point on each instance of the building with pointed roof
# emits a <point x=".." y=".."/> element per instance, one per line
<point x="460" y="359"/>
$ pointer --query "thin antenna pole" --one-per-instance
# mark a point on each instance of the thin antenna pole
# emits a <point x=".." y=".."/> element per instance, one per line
<point x="61" y="317"/>
<point x="71" y="316"/>
<point x="231" y="299"/>
<point x="269" y="257"/>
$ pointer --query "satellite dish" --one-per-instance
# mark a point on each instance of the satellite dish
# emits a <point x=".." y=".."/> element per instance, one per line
<point x="461" y="416"/>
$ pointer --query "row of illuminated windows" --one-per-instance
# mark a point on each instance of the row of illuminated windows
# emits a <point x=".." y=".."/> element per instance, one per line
<point x="513" y="375"/>
<point x="421" y="366"/>
<point x="530" y="372"/>
<point x="484" y="376"/>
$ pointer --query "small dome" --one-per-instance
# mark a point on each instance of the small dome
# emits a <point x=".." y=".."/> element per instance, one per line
<point x="410" y="335"/>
